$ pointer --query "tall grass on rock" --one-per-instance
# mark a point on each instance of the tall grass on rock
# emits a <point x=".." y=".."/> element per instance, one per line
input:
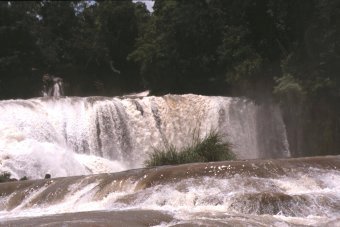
<point x="5" y="177"/>
<point x="209" y="149"/>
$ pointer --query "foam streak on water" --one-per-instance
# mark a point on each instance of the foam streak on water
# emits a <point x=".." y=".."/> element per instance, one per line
<point x="73" y="136"/>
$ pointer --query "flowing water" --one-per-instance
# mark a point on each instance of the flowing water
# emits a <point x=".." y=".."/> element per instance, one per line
<point x="286" y="192"/>
<point x="73" y="136"/>
<point x="88" y="141"/>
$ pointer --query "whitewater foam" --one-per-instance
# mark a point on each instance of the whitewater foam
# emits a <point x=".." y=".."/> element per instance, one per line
<point x="255" y="194"/>
<point x="48" y="134"/>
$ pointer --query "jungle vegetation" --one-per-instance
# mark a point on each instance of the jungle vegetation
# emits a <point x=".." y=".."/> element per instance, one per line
<point x="283" y="51"/>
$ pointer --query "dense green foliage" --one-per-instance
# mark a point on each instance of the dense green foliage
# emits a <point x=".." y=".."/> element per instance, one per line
<point x="209" y="149"/>
<point x="85" y="44"/>
<point x="201" y="46"/>
<point x="286" y="49"/>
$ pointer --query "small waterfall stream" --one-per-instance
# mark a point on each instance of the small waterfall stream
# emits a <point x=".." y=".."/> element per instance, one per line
<point x="52" y="86"/>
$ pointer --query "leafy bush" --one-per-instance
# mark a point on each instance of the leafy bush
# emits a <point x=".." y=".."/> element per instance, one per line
<point x="209" y="149"/>
<point x="287" y="85"/>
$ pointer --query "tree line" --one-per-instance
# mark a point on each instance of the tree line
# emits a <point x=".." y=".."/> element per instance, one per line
<point x="285" y="50"/>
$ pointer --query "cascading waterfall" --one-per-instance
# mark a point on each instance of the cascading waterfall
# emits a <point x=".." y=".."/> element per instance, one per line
<point x="78" y="136"/>
<point x="72" y="136"/>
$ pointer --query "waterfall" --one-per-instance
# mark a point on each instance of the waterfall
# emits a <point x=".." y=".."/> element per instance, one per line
<point x="72" y="135"/>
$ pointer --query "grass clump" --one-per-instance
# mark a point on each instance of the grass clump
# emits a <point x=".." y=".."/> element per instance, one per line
<point x="5" y="177"/>
<point x="209" y="149"/>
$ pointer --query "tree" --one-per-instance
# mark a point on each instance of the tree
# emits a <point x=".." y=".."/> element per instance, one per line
<point x="177" y="52"/>
<point x="57" y="33"/>
<point x="19" y="51"/>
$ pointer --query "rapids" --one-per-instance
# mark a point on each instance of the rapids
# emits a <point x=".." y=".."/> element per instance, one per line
<point x="75" y="136"/>
<point x="281" y="192"/>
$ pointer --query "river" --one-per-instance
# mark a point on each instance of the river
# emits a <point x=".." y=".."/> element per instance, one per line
<point x="94" y="148"/>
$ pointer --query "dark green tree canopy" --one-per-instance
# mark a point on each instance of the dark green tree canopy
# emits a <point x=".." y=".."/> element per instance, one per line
<point x="199" y="46"/>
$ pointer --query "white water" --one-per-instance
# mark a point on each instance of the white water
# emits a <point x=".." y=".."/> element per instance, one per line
<point x="79" y="136"/>
<point x="306" y="196"/>
<point x="75" y="136"/>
